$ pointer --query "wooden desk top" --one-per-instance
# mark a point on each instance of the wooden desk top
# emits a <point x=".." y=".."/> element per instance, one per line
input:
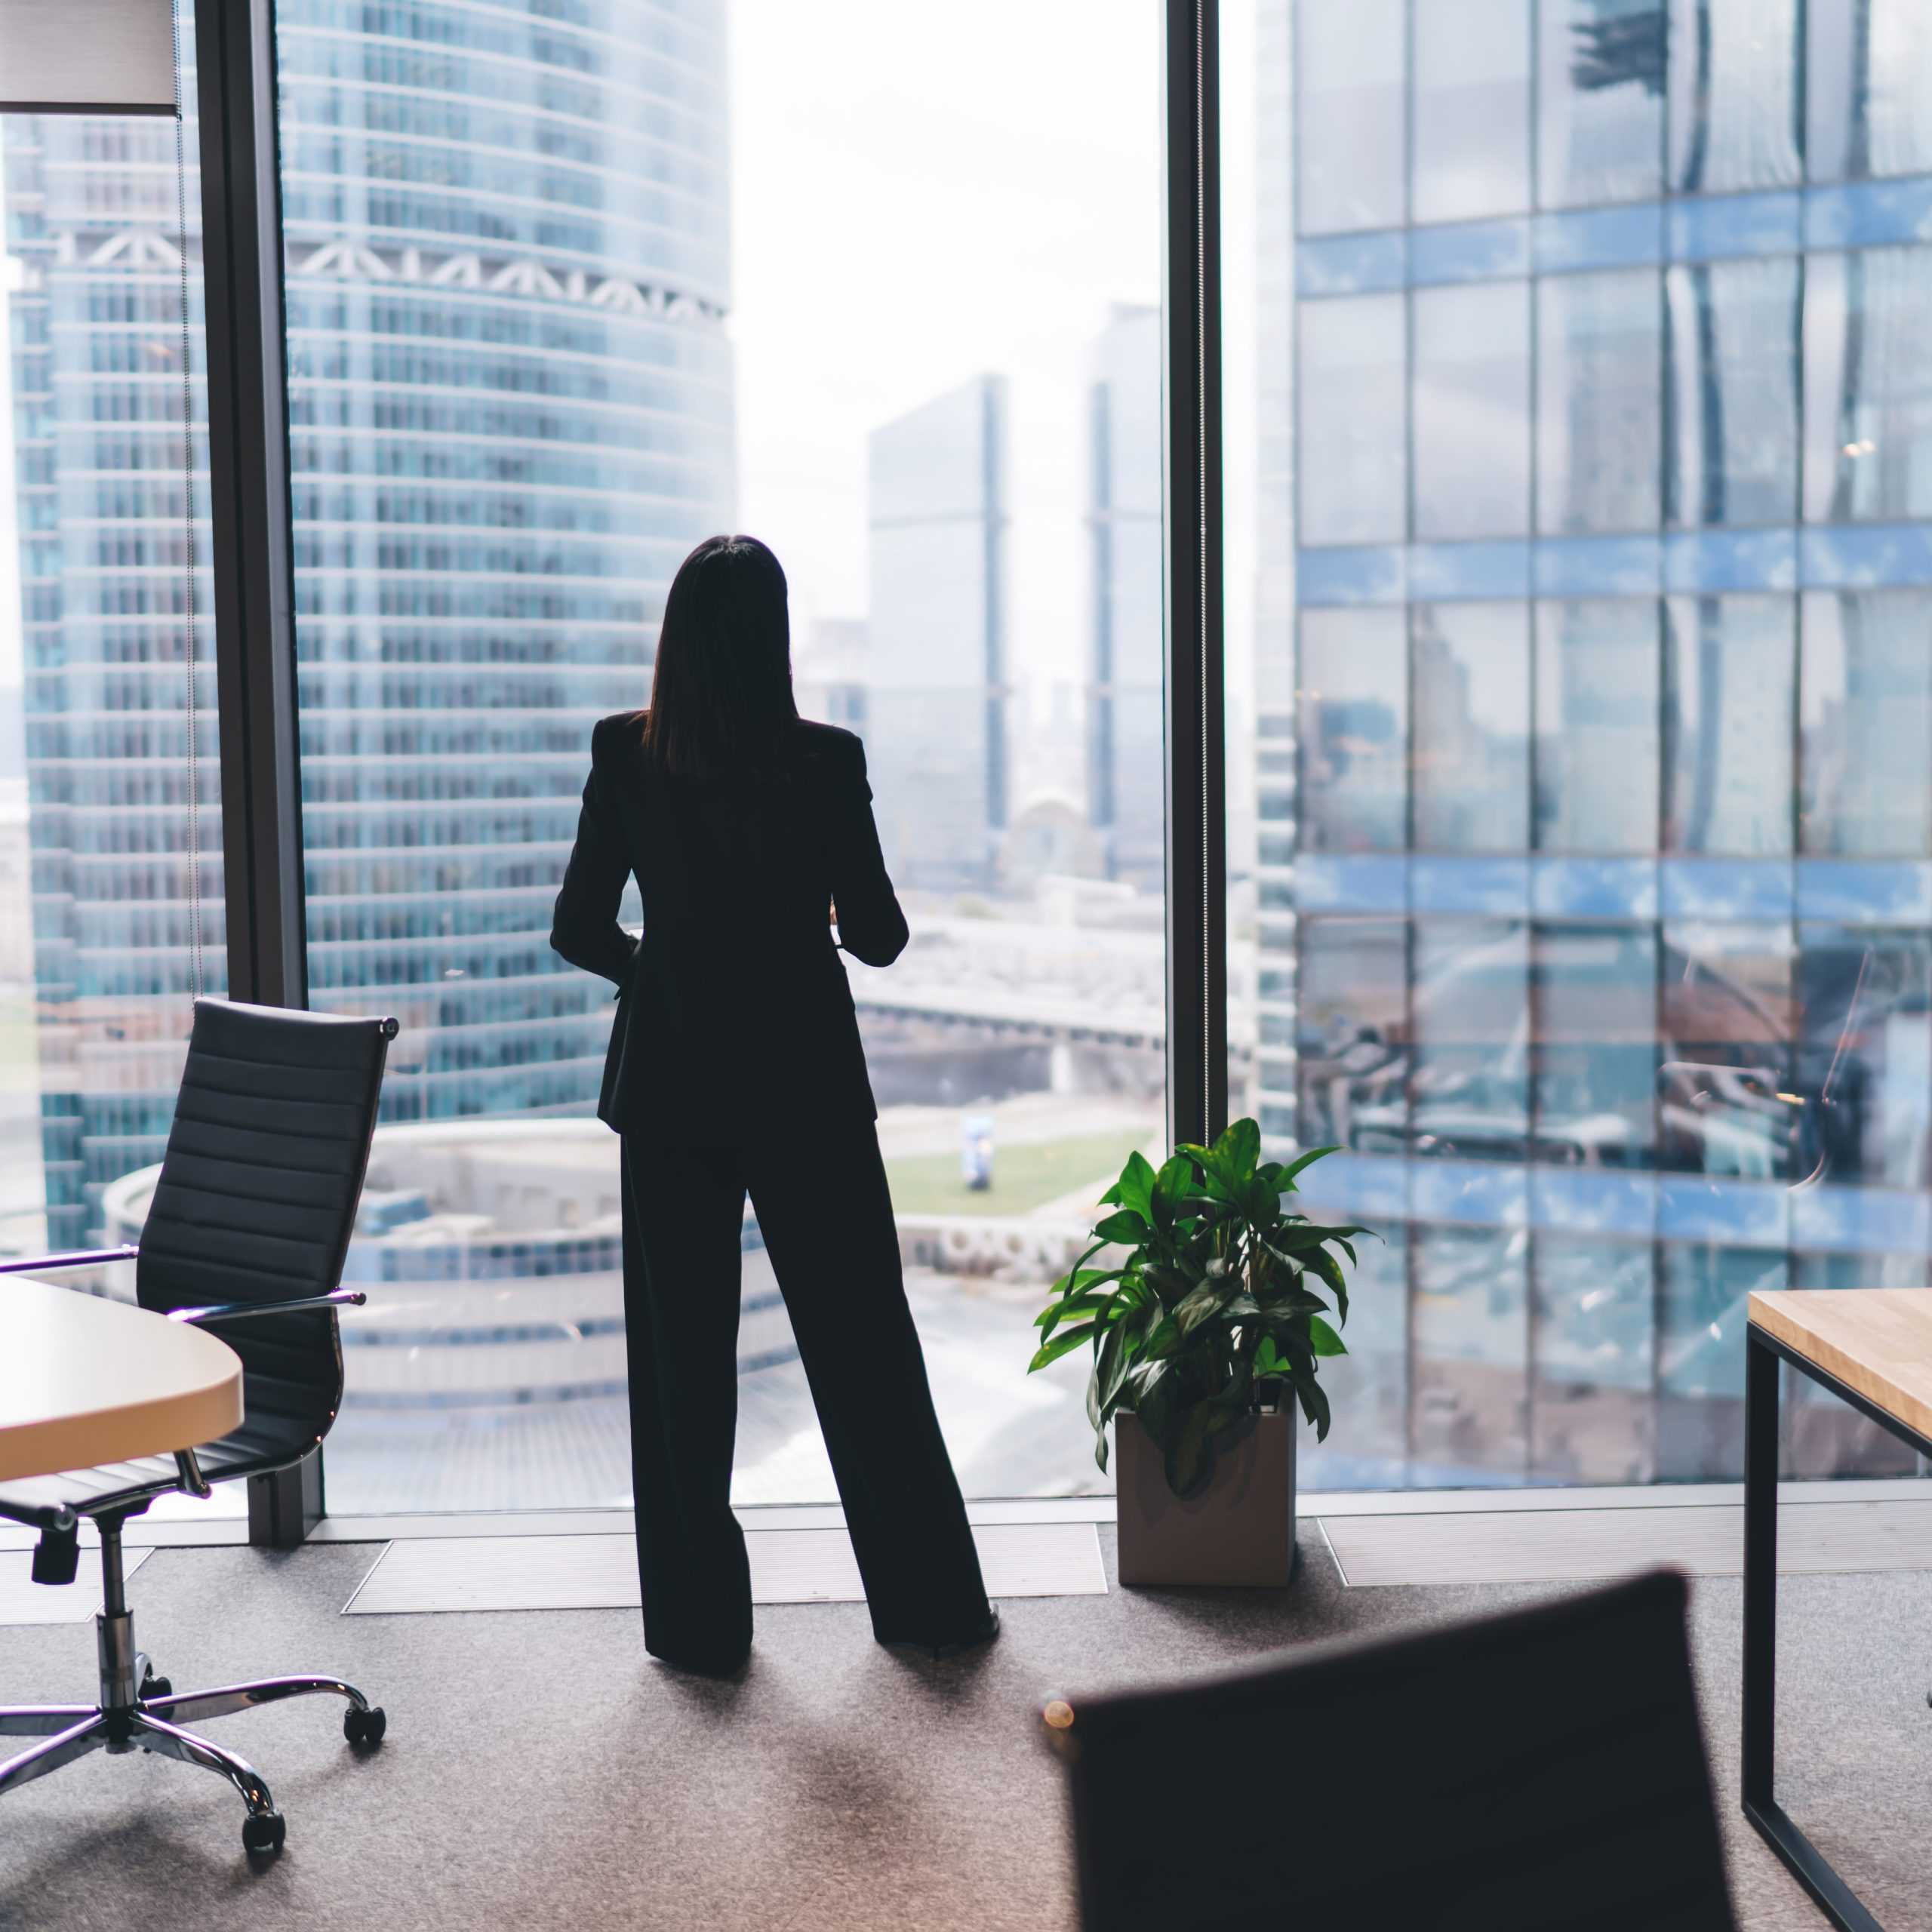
<point x="1876" y="1340"/>
<point x="85" y="1380"/>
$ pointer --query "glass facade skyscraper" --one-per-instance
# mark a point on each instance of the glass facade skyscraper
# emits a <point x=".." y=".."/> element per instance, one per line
<point x="937" y="694"/>
<point x="1125" y="804"/>
<point x="508" y="243"/>
<point x="508" y="236"/>
<point x="1596" y="711"/>
<point x="109" y="459"/>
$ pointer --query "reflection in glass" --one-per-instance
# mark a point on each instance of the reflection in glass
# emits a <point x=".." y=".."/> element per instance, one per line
<point x="1700" y="1379"/>
<point x="1594" y="991"/>
<point x="1350" y="109"/>
<point x="1864" y="1054"/>
<point x="1731" y="393"/>
<point x="1868" y="386"/>
<point x="1353" y="460"/>
<point x="1591" y="1411"/>
<point x="1597" y="671"/>
<point x="1600" y="88"/>
<point x="1733" y="94"/>
<point x="1728" y="681"/>
<point x="1472" y="427"/>
<point x="1354" y="716"/>
<point x="109" y="925"/>
<point x="1471" y="678"/>
<point x="1865" y="724"/>
<point x="1724" y="1100"/>
<point x="1471" y="111"/>
<point x="1469" y="1401"/>
<point x="1351" y="1065"/>
<point x="1599" y="437"/>
<point x="1867" y="108"/>
<point x="1470" y="1092"/>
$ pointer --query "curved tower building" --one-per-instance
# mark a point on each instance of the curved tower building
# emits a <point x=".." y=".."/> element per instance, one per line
<point x="508" y="246"/>
<point x="507" y="249"/>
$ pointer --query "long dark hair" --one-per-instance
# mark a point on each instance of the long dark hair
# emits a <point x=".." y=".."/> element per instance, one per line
<point x="720" y="696"/>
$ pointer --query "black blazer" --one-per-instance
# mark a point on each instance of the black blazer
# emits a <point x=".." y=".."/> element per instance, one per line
<point x="734" y="1017"/>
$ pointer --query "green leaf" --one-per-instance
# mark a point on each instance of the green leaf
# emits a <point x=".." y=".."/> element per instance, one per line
<point x="1135" y="1188"/>
<point x="1293" y="1299"/>
<point x="1206" y="1301"/>
<point x="1297" y="1236"/>
<point x="1237" y="1150"/>
<point x="1104" y="1390"/>
<point x="1048" y="1319"/>
<point x="1162" y="1339"/>
<point x="1113" y="1380"/>
<point x="1260" y="1203"/>
<point x="1314" y="1404"/>
<point x="1173" y="1186"/>
<point x="1068" y="1283"/>
<point x="1062" y="1344"/>
<point x="1295" y="1166"/>
<point x="1319" y="1261"/>
<point x="1326" y="1342"/>
<point x="1126" y="1228"/>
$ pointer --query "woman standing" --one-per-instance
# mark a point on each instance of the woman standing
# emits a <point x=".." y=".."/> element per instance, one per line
<point x="735" y="1066"/>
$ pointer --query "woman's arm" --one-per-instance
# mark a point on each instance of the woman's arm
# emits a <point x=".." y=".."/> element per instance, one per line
<point x="871" y="926"/>
<point x="584" y="927"/>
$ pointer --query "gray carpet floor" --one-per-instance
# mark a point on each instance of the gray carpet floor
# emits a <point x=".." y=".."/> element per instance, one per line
<point x="541" y="1772"/>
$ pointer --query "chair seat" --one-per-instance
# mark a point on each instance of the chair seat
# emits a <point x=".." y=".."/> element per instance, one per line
<point x="243" y="1452"/>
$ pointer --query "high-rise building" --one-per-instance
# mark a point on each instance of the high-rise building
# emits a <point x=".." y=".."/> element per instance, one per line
<point x="507" y="239"/>
<point x="937" y="694"/>
<point x="1125" y="787"/>
<point x="1594" y="688"/>
<point x="829" y="673"/>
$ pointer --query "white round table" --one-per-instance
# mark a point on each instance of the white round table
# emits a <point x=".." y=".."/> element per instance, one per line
<point x="84" y="1381"/>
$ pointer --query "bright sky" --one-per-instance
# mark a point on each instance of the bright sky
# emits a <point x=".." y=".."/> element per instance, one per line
<point x="922" y="193"/>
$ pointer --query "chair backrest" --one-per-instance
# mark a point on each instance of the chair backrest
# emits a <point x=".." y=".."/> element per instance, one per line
<point x="257" y="1197"/>
<point x="1543" y="1767"/>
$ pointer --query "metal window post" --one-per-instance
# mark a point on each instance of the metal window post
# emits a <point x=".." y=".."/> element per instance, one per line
<point x="1197" y="1007"/>
<point x="254" y="577"/>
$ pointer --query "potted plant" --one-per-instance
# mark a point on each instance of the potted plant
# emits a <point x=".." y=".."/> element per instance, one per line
<point x="1214" y="1312"/>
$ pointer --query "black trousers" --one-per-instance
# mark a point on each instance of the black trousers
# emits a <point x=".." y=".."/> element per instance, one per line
<point x="822" y="1204"/>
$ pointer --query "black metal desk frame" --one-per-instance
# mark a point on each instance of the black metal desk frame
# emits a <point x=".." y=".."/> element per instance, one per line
<point x="1763" y="1352"/>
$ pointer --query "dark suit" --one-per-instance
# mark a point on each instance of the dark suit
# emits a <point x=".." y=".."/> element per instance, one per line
<point x="735" y="1065"/>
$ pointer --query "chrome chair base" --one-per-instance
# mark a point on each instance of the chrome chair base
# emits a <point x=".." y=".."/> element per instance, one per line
<point x="140" y="1711"/>
<point x="67" y="1732"/>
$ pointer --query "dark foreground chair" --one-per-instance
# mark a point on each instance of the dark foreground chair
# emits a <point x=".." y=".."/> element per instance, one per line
<point x="1537" y="1770"/>
<point x="251" y="1219"/>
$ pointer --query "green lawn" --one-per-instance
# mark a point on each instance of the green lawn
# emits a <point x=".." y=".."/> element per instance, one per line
<point x="1025" y="1175"/>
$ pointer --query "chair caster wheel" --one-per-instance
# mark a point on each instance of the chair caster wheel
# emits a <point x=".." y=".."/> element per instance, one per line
<point x="263" y="1833"/>
<point x="364" y="1729"/>
<point x="153" y="1686"/>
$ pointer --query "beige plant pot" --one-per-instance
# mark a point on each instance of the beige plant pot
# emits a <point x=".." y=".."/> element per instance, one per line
<point x="1240" y="1530"/>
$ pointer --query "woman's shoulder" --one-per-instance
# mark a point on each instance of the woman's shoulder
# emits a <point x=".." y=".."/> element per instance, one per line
<point x="612" y="736"/>
<point x="830" y="746"/>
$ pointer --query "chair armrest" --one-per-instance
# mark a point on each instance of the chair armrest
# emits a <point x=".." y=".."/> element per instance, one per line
<point x="91" y="1257"/>
<point x="243" y="1311"/>
<point x="56" y="1517"/>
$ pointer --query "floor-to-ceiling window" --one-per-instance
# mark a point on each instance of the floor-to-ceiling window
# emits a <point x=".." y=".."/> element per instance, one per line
<point x="565" y="295"/>
<point x="111" y="916"/>
<point x="1581" y="557"/>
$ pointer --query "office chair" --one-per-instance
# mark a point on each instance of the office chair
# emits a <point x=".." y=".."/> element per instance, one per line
<point x="1538" y="1769"/>
<point x="251" y="1219"/>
